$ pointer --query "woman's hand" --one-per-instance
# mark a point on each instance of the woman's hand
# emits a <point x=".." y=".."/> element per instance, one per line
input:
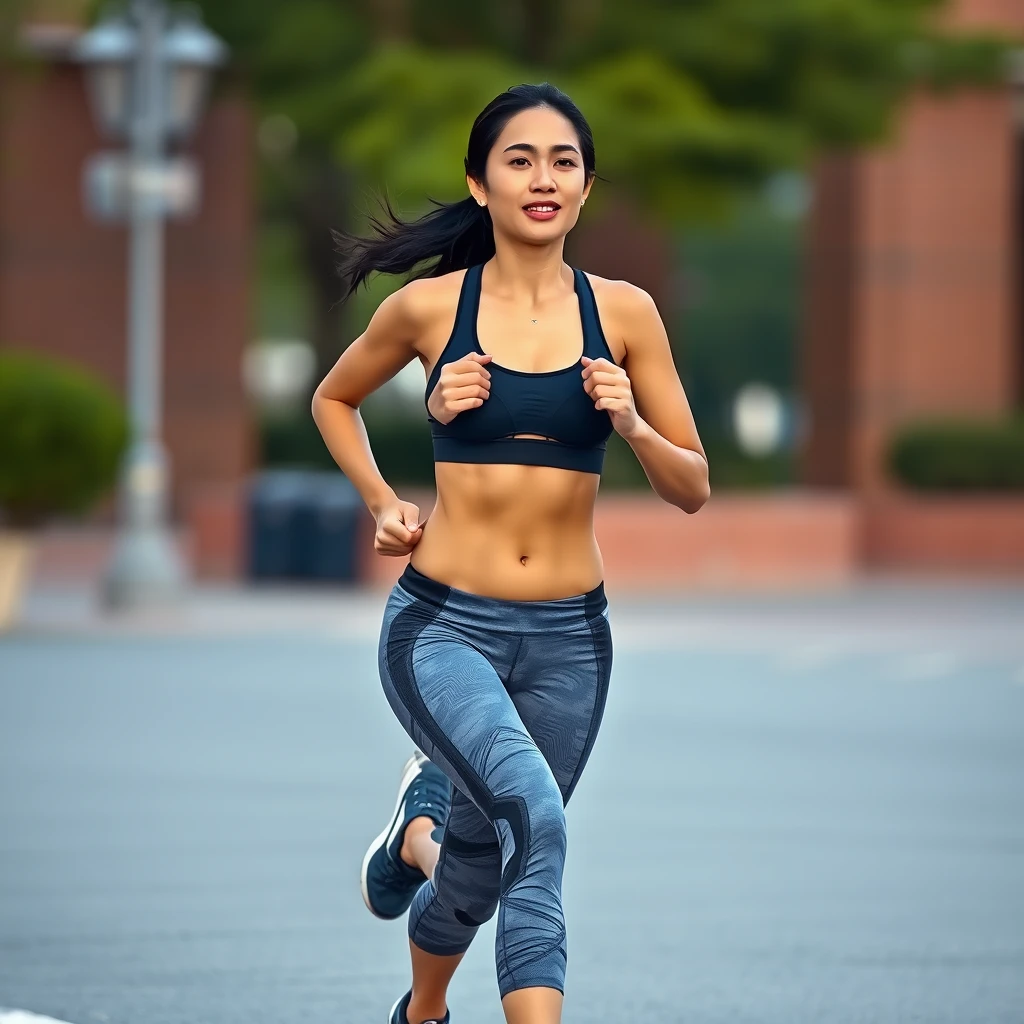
<point x="464" y="384"/>
<point x="398" y="529"/>
<point x="609" y="387"/>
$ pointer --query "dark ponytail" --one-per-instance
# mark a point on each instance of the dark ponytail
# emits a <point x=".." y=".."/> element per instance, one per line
<point x="454" y="235"/>
<point x="459" y="233"/>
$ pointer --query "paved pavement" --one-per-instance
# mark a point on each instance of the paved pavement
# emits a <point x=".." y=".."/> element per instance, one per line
<point x="802" y="808"/>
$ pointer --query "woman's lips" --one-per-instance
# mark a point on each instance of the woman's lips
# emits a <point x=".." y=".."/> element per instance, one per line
<point x="549" y="210"/>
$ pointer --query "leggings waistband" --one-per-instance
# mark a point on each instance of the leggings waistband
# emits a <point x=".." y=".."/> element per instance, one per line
<point x="502" y="614"/>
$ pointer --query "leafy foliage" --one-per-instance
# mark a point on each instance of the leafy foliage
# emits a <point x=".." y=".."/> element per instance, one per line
<point x="62" y="433"/>
<point x="960" y="455"/>
<point x="687" y="97"/>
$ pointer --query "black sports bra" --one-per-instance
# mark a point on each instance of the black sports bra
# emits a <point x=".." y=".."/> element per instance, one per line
<point x="552" y="403"/>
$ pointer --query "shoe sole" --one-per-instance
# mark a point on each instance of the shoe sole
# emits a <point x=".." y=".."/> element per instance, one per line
<point x="391" y="1015"/>
<point x="410" y="770"/>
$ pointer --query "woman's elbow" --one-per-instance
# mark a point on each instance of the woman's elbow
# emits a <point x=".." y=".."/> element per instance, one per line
<point x="316" y="404"/>
<point x="319" y="405"/>
<point x="696" y="502"/>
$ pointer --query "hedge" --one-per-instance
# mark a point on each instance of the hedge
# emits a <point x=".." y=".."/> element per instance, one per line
<point x="959" y="455"/>
<point x="62" y="435"/>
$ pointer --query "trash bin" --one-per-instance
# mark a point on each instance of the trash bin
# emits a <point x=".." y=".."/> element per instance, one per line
<point x="303" y="525"/>
<point x="274" y="500"/>
<point x="327" y="530"/>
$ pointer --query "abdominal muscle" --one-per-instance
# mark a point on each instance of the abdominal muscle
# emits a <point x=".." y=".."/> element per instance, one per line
<point x="517" y="533"/>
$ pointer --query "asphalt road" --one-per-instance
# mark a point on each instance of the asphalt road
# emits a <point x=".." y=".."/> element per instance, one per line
<point x="802" y="809"/>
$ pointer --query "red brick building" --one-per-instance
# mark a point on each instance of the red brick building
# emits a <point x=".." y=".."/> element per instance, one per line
<point x="914" y="305"/>
<point x="914" y="275"/>
<point x="63" y="275"/>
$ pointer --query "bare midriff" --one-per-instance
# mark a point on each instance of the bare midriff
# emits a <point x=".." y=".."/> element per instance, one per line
<point x="518" y="533"/>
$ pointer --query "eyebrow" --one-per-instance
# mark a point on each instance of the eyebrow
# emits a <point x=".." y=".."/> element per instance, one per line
<point x="563" y="147"/>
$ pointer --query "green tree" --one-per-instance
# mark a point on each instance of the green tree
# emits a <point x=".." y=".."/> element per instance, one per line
<point x="689" y="99"/>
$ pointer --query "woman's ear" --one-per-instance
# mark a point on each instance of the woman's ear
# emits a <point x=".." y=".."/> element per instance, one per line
<point x="476" y="190"/>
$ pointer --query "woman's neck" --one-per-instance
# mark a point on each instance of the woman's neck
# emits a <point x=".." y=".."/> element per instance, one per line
<point x="528" y="273"/>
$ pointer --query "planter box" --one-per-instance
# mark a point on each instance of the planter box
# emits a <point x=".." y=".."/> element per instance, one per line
<point x="783" y="539"/>
<point x="16" y="549"/>
<point x="960" y="534"/>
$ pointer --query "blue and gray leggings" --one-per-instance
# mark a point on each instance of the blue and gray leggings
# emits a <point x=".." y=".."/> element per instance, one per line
<point x="506" y="697"/>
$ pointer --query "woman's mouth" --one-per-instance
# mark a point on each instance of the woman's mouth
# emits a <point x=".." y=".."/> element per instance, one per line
<point x="541" y="211"/>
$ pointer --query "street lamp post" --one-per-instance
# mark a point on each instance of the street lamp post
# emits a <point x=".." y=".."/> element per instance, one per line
<point x="147" y="82"/>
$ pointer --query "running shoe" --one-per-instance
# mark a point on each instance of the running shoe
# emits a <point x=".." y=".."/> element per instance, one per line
<point x="398" y="1013"/>
<point x="388" y="883"/>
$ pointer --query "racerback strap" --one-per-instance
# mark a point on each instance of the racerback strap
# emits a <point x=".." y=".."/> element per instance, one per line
<point x="594" y="344"/>
<point x="469" y="303"/>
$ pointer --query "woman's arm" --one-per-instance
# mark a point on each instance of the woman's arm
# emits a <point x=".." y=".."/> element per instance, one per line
<point x="645" y="400"/>
<point x="387" y="344"/>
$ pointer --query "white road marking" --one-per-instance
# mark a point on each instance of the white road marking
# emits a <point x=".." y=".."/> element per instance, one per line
<point x="923" y="668"/>
<point x="24" y="1017"/>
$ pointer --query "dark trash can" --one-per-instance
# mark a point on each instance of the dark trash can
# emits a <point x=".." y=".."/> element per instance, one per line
<point x="273" y="504"/>
<point x="303" y="525"/>
<point x="327" y="530"/>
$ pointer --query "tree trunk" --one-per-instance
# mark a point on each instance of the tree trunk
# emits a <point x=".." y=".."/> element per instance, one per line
<point x="321" y="206"/>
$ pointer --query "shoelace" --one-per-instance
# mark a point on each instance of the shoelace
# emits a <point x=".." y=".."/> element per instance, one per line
<point x="428" y="793"/>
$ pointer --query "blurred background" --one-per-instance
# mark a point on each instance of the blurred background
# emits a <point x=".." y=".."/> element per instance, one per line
<point x="826" y="200"/>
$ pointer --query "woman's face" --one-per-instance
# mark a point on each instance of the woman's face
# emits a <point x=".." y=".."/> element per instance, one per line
<point x="535" y="177"/>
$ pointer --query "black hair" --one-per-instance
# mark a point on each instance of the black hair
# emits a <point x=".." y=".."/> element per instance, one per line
<point x="455" y="235"/>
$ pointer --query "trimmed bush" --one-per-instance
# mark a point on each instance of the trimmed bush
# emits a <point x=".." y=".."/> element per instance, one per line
<point x="62" y="435"/>
<point x="960" y="455"/>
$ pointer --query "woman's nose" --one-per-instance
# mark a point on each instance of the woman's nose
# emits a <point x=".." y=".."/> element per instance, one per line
<point x="543" y="179"/>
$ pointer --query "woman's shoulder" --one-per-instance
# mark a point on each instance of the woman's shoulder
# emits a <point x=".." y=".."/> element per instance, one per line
<point x="618" y="296"/>
<point x="626" y="312"/>
<point x="428" y="298"/>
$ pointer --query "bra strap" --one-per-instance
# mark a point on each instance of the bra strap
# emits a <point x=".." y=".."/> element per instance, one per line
<point x="469" y="303"/>
<point x="594" y="343"/>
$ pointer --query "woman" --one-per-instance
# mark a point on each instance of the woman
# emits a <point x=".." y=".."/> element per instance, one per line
<point x="495" y="651"/>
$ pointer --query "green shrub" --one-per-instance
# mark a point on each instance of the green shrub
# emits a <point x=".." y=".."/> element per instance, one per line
<point x="959" y="455"/>
<point x="292" y="439"/>
<point x="400" y="444"/>
<point x="732" y="469"/>
<point x="62" y="434"/>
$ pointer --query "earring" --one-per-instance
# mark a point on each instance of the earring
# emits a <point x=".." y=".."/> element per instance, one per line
<point x="583" y="202"/>
<point x="480" y="202"/>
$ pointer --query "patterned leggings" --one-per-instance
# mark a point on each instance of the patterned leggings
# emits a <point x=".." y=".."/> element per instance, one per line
<point x="506" y="697"/>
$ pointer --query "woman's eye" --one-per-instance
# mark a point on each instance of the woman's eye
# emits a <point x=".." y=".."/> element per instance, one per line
<point x="521" y="161"/>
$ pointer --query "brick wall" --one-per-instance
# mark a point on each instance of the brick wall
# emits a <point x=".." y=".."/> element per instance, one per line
<point x="63" y="276"/>
<point x="913" y="276"/>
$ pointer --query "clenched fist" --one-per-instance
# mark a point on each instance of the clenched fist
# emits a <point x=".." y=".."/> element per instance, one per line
<point x="611" y="390"/>
<point x="398" y="529"/>
<point x="464" y="384"/>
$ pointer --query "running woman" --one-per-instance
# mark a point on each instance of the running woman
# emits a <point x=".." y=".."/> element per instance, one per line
<point x="495" y="652"/>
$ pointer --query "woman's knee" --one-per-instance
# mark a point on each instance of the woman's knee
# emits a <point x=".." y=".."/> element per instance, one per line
<point x="479" y="907"/>
<point x="531" y="828"/>
<point x="468" y="877"/>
